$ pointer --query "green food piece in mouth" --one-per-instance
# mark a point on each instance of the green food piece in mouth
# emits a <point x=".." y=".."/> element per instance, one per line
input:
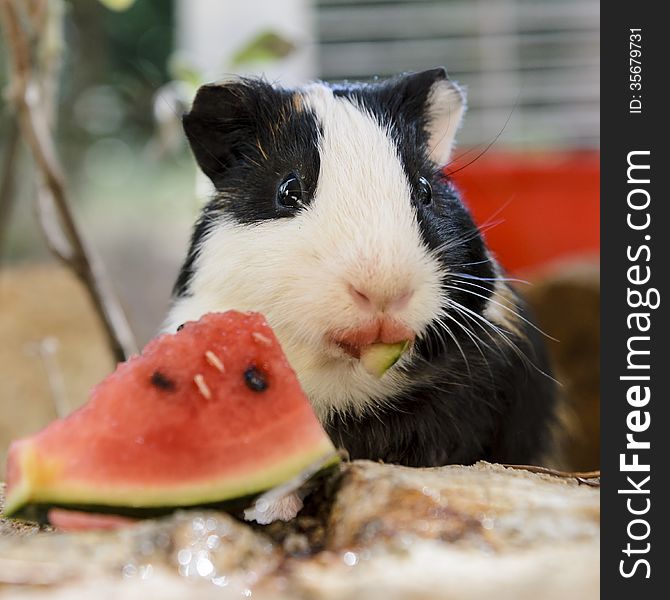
<point x="379" y="358"/>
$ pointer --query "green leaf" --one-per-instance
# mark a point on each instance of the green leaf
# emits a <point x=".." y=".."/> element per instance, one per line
<point x="268" y="46"/>
<point x="118" y="5"/>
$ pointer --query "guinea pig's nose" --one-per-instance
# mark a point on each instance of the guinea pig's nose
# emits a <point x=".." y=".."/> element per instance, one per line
<point x="378" y="301"/>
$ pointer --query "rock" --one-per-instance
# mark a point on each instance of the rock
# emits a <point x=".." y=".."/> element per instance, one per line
<point x="455" y="532"/>
<point x="198" y="553"/>
<point x="370" y="531"/>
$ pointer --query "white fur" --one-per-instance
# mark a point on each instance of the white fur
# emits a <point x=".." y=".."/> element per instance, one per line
<point x="446" y="105"/>
<point x="283" y="509"/>
<point x="501" y="307"/>
<point x="360" y="229"/>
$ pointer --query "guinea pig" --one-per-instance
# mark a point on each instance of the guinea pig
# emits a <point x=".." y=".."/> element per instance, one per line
<point x="333" y="217"/>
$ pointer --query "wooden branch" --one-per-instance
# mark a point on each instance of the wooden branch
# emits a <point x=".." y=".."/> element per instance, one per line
<point x="32" y="111"/>
<point x="591" y="478"/>
<point x="7" y="179"/>
<point x="47" y="350"/>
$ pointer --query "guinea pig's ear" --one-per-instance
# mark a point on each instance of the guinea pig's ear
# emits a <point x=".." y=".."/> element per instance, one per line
<point x="442" y="104"/>
<point x="221" y="121"/>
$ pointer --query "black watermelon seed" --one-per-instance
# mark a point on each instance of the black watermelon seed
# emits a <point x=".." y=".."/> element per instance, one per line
<point x="255" y="380"/>
<point x="162" y="381"/>
<point x="181" y="327"/>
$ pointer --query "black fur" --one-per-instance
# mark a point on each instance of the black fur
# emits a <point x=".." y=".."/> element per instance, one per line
<point x="247" y="137"/>
<point x="478" y="392"/>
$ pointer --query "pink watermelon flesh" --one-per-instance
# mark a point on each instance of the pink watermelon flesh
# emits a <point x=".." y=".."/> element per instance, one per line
<point x="211" y="413"/>
<point x="74" y="520"/>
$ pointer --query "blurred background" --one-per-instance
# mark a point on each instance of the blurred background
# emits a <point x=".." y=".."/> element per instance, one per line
<point x="527" y="159"/>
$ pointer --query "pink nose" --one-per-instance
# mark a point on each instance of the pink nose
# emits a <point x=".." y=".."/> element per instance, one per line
<point x="376" y="301"/>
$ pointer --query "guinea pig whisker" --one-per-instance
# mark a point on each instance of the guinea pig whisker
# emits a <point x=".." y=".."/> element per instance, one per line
<point x="470" y="264"/>
<point x="492" y="291"/>
<point x="459" y="241"/>
<point x="442" y="328"/>
<point x="475" y="340"/>
<point x="443" y="344"/>
<point x="497" y="211"/>
<point x="418" y="359"/>
<point x="458" y="374"/>
<point x="458" y="345"/>
<point x="499" y="331"/>
<point x="476" y="158"/>
<point x="429" y="338"/>
<point x="503" y="334"/>
<point x="454" y="243"/>
<point x="501" y="305"/>
<point x="494" y="338"/>
<point x="470" y="276"/>
<point x="488" y="146"/>
<point x="490" y="225"/>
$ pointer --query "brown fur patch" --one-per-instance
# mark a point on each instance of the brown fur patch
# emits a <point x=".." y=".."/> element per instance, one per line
<point x="260" y="149"/>
<point x="502" y="309"/>
<point x="298" y="102"/>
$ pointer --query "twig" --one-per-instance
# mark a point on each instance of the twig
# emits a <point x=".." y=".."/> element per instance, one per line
<point x="32" y="111"/>
<point x="47" y="350"/>
<point x="585" y="477"/>
<point x="7" y="179"/>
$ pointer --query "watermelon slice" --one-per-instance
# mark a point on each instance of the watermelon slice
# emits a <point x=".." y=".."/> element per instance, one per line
<point x="211" y="413"/>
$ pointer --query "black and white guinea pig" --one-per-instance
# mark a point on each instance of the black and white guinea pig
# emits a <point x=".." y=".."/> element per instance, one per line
<point x="333" y="217"/>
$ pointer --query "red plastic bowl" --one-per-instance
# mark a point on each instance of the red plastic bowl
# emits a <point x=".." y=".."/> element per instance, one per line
<point x="548" y="204"/>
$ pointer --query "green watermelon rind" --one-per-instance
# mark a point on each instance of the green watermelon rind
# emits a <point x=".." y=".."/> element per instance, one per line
<point x="144" y="499"/>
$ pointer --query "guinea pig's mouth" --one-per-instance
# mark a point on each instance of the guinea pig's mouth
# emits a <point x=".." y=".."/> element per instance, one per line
<point x="381" y="331"/>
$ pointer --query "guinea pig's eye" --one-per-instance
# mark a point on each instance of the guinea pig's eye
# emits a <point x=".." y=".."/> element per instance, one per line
<point x="425" y="191"/>
<point x="290" y="193"/>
